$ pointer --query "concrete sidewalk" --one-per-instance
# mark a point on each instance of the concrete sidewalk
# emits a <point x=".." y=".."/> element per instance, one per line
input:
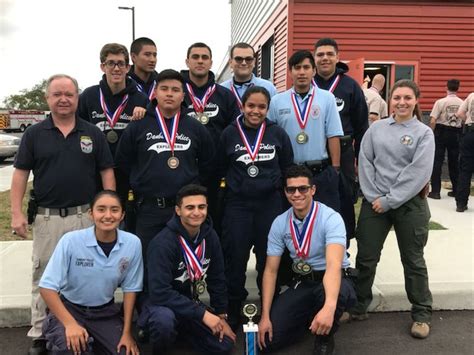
<point x="449" y="255"/>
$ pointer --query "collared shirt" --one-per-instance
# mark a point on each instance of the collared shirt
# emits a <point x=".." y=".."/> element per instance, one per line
<point x="445" y="109"/>
<point x="468" y="107"/>
<point x="375" y="103"/>
<point x="328" y="229"/>
<point x="82" y="273"/>
<point x="323" y="122"/>
<point x="255" y="81"/>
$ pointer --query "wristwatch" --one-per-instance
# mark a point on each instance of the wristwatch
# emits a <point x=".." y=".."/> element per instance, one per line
<point x="223" y="316"/>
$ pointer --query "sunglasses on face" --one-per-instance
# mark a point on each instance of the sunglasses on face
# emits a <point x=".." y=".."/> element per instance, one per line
<point x="111" y="64"/>
<point x="303" y="189"/>
<point x="239" y="60"/>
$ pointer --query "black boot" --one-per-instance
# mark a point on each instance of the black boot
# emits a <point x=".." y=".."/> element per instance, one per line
<point x="38" y="347"/>
<point x="323" y="345"/>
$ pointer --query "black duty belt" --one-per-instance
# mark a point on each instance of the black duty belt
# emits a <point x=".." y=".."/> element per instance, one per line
<point x="62" y="212"/>
<point x="316" y="166"/>
<point x="469" y="127"/>
<point x="64" y="299"/>
<point x="448" y="128"/>
<point x="317" y="275"/>
<point x="160" y="202"/>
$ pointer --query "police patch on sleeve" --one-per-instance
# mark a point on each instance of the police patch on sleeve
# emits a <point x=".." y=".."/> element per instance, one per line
<point x="406" y="140"/>
<point x="86" y="144"/>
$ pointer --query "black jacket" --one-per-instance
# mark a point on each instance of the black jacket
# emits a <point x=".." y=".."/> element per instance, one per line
<point x="168" y="279"/>
<point x="144" y="87"/>
<point x="350" y="102"/>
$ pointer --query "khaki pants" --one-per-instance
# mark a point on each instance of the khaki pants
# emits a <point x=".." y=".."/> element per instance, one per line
<point x="47" y="230"/>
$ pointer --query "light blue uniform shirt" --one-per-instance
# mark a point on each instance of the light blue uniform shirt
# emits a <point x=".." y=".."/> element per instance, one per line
<point x="81" y="272"/>
<point x="328" y="229"/>
<point x="323" y="122"/>
<point x="255" y="81"/>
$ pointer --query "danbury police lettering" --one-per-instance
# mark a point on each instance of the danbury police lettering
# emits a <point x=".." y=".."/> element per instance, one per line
<point x="266" y="152"/>
<point x="211" y="110"/>
<point x="161" y="147"/>
<point x="184" y="270"/>
<point x="84" y="262"/>
<point x="86" y="144"/>
<point x="101" y="116"/>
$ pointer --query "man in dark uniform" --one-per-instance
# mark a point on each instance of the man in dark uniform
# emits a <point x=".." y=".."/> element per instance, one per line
<point x="110" y="105"/>
<point x="143" y="52"/>
<point x="331" y="75"/>
<point x="65" y="154"/>
<point x="161" y="153"/>
<point x="184" y="260"/>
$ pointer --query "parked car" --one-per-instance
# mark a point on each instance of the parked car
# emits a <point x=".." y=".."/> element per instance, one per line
<point x="8" y="146"/>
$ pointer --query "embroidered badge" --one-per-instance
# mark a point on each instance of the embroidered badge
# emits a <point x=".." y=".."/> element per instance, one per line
<point x="406" y="140"/>
<point x="86" y="144"/>
<point x="123" y="265"/>
<point x="315" y="110"/>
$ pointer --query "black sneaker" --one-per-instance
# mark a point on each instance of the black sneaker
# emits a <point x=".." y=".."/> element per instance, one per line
<point x="434" y="195"/>
<point x="324" y="345"/>
<point x="451" y="194"/>
<point x="38" y="347"/>
<point x="460" y="208"/>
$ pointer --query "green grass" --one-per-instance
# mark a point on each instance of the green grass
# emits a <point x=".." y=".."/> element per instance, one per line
<point x="5" y="216"/>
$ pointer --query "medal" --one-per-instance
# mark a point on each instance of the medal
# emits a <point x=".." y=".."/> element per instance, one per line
<point x="252" y="171"/>
<point x="170" y="138"/>
<point x="334" y="83"/>
<point x="112" y="137"/>
<point x="112" y="118"/>
<point x="302" y="240"/>
<point x="199" y="287"/>
<point x="252" y="151"/>
<point x="173" y="162"/>
<point x="151" y="91"/>
<point x="200" y="104"/>
<point x="302" y="115"/>
<point x="194" y="260"/>
<point x="302" y="138"/>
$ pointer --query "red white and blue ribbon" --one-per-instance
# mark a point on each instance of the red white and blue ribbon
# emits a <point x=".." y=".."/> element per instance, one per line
<point x="200" y="104"/>
<point x="151" y="91"/>
<point x="252" y="149"/>
<point x="334" y="83"/>
<point x="112" y="118"/>
<point x="193" y="258"/>
<point x="302" y="239"/>
<point x="169" y="138"/>
<point x="303" y="114"/>
<point x="237" y="96"/>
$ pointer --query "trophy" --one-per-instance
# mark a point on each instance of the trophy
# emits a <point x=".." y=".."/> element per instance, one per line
<point x="250" y="330"/>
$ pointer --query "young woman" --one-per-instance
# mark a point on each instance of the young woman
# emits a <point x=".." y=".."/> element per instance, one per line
<point x="80" y="279"/>
<point x="254" y="153"/>
<point x="395" y="163"/>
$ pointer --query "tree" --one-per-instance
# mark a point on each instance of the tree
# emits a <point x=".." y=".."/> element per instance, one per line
<point x="28" y="99"/>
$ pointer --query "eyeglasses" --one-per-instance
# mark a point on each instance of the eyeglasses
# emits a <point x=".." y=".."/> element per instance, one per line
<point x="303" y="189"/>
<point x="248" y="60"/>
<point x="111" y="64"/>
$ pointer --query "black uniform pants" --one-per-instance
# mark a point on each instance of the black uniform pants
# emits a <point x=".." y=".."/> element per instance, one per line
<point x="466" y="168"/>
<point x="446" y="138"/>
<point x="293" y="311"/>
<point x="246" y="224"/>
<point x="348" y="189"/>
<point x="327" y="188"/>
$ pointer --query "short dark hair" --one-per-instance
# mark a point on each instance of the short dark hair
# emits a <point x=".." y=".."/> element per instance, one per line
<point x="199" y="45"/>
<point x="453" y="84"/>
<point x="114" y="48"/>
<point x="110" y="193"/>
<point x="241" y="45"/>
<point x="138" y="44"/>
<point x="299" y="56"/>
<point x="296" y="171"/>
<point x="170" y="74"/>
<point x="190" y="190"/>
<point x="255" y="90"/>
<point x="326" y="41"/>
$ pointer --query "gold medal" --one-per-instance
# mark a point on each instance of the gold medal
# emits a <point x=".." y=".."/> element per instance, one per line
<point x="302" y="138"/>
<point x="200" y="287"/>
<point x="203" y="118"/>
<point x="305" y="268"/>
<point x="173" y="162"/>
<point x="112" y="137"/>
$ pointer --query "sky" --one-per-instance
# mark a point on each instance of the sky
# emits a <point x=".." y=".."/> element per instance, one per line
<point x="39" y="38"/>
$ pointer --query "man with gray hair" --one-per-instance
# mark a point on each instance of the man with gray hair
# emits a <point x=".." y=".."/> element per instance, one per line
<point x="65" y="154"/>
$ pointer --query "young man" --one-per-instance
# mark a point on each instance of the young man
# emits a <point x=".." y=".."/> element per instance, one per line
<point x="331" y="75"/>
<point x="143" y="52"/>
<point x="110" y="105"/>
<point x="315" y="236"/>
<point x="65" y="154"/>
<point x="447" y="131"/>
<point x="375" y="103"/>
<point x="242" y="63"/>
<point x="161" y="153"/>
<point x="309" y="116"/>
<point x="184" y="260"/>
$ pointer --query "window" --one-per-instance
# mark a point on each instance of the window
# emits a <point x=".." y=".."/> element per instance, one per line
<point x="404" y="72"/>
<point x="268" y="59"/>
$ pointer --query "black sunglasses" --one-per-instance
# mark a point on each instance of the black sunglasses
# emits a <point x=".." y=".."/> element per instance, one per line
<point x="303" y="189"/>
<point x="248" y="60"/>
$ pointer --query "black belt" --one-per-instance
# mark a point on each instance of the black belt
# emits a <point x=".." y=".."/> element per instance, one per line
<point x="64" y="299"/>
<point x="160" y="202"/>
<point x="317" y="275"/>
<point x="469" y="127"/>
<point x="448" y="128"/>
<point x="63" y="212"/>
<point x="345" y="139"/>
<point x="316" y="166"/>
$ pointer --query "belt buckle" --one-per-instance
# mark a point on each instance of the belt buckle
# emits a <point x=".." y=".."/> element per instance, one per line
<point x="161" y="202"/>
<point x="63" y="212"/>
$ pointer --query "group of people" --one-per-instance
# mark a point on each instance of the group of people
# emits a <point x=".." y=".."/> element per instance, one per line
<point x="213" y="171"/>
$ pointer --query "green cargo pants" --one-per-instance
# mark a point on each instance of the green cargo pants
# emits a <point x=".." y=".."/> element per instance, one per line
<point x="410" y="222"/>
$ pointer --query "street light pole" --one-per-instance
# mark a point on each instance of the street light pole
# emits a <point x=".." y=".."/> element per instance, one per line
<point x="133" y="18"/>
